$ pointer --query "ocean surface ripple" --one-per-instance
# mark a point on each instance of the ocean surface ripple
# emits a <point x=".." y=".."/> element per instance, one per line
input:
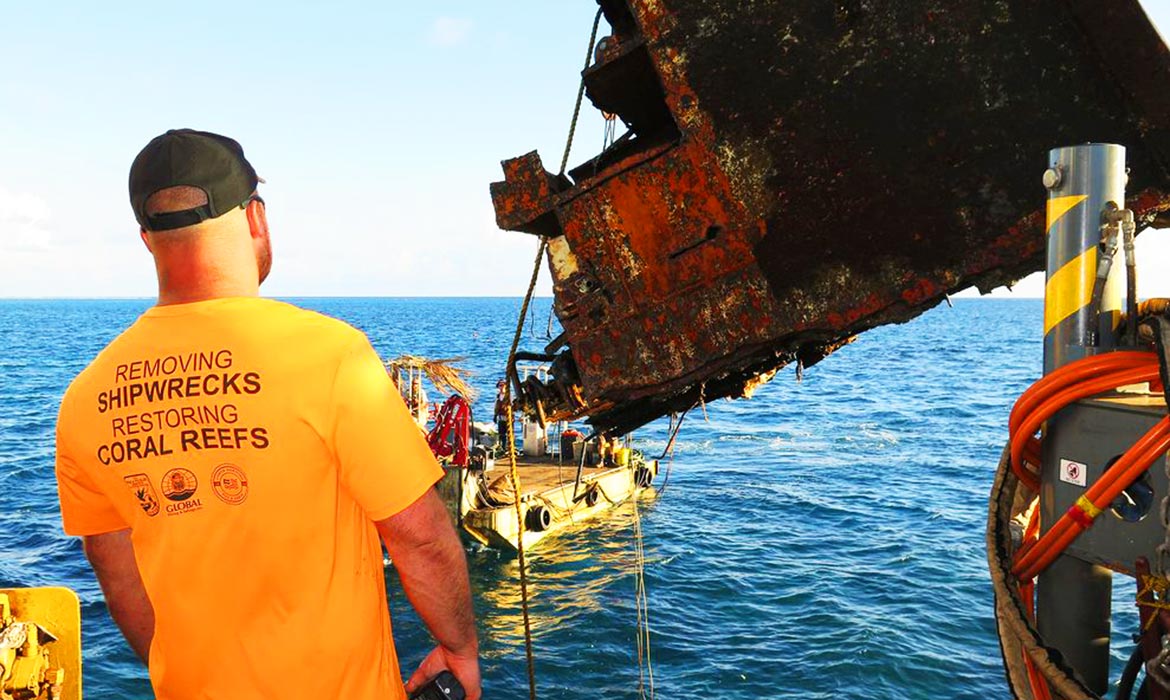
<point x="821" y="540"/>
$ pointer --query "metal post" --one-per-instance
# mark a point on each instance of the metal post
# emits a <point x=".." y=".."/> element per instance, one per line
<point x="1073" y="596"/>
<point x="1085" y="180"/>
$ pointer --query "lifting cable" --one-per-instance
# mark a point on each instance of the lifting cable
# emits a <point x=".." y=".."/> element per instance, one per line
<point x="514" y="470"/>
<point x="669" y="450"/>
<point x="642" y="602"/>
<point x="642" y="598"/>
<point x="580" y="93"/>
<point x="515" y="474"/>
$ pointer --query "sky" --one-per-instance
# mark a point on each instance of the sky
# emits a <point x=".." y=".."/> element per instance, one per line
<point x="377" y="126"/>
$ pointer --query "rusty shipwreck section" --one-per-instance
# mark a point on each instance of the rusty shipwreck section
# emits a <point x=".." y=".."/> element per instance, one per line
<point x="796" y="173"/>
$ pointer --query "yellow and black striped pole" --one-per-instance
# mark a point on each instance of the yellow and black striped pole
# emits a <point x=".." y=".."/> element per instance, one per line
<point x="1082" y="181"/>
<point x="1073" y="596"/>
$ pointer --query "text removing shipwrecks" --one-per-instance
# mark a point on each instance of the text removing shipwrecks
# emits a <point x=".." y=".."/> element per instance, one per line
<point x="565" y="477"/>
<point x="793" y="174"/>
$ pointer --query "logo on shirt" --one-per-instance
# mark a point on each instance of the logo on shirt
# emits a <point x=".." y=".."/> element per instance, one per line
<point x="179" y="484"/>
<point x="230" y="484"/>
<point x="144" y="491"/>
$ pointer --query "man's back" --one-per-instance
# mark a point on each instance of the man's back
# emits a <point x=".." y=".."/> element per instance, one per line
<point x="249" y="445"/>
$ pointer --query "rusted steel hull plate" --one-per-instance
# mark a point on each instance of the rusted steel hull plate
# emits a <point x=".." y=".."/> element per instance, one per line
<point x="796" y="173"/>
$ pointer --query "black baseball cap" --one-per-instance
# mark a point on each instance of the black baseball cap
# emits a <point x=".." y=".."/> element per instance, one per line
<point x="213" y="163"/>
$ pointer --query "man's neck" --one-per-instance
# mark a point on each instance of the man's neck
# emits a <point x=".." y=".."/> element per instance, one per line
<point x="217" y="263"/>
<point x="203" y="286"/>
<point x="191" y="296"/>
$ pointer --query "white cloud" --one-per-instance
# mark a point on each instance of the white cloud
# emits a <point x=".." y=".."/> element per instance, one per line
<point x="23" y="222"/>
<point x="449" y="31"/>
<point x="65" y="253"/>
<point x="22" y="206"/>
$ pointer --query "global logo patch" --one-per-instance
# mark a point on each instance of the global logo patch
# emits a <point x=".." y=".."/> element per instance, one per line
<point x="144" y="491"/>
<point x="230" y="484"/>
<point x="179" y="484"/>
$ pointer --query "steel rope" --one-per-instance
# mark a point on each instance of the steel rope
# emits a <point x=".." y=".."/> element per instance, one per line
<point x="515" y="472"/>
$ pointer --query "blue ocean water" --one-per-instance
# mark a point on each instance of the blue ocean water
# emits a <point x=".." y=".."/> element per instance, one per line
<point x="821" y="540"/>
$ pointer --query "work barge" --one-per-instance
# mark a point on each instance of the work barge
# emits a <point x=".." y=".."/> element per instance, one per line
<point x="556" y="495"/>
<point x="793" y="174"/>
<point x="563" y="477"/>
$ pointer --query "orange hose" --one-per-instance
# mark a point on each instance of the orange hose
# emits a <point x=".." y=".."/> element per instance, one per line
<point x="1027" y="589"/>
<point x="1073" y="372"/>
<point x="1116" y="479"/>
<point x="1031" y="533"/>
<point x="1059" y="381"/>
<point x="1026" y="477"/>
<point x="1032" y="452"/>
<point x="1024" y="433"/>
<point x="1027" y="404"/>
<point x="1056" y="536"/>
<point x="1032" y="422"/>
<point x="1033" y="528"/>
<point x="1102" y="492"/>
<point x="1061" y="398"/>
<point x="1072" y="382"/>
<point x="1037" y="557"/>
<point x="1039" y="685"/>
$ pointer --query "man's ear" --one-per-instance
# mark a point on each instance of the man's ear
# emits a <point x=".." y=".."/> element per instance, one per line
<point x="145" y="239"/>
<point x="257" y="219"/>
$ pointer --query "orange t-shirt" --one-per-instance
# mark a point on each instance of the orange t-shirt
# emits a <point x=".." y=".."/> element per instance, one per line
<point x="250" y="446"/>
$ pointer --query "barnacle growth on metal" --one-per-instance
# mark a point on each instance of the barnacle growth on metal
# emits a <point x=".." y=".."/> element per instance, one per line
<point x="796" y="173"/>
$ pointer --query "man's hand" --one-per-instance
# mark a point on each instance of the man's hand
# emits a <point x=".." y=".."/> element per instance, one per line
<point x="466" y="669"/>
<point x="433" y="569"/>
<point x="112" y="558"/>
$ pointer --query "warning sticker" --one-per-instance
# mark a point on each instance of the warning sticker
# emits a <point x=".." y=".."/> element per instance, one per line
<point x="1072" y="472"/>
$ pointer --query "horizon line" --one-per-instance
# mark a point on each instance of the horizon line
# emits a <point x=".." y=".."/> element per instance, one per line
<point x="284" y="296"/>
<point x="981" y="297"/>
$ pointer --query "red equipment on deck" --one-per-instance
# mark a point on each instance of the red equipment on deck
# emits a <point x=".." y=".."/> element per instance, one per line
<point x="451" y="435"/>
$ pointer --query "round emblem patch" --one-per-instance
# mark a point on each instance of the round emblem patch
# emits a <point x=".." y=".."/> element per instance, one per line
<point x="230" y="484"/>
<point x="179" y="484"/>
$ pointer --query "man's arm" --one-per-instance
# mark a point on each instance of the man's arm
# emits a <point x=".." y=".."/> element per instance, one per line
<point x="112" y="557"/>
<point x="433" y="568"/>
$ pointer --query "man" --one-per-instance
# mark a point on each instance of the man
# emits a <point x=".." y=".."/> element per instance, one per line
<point x="500" y="414"/>
<point x="231" y="462"/>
